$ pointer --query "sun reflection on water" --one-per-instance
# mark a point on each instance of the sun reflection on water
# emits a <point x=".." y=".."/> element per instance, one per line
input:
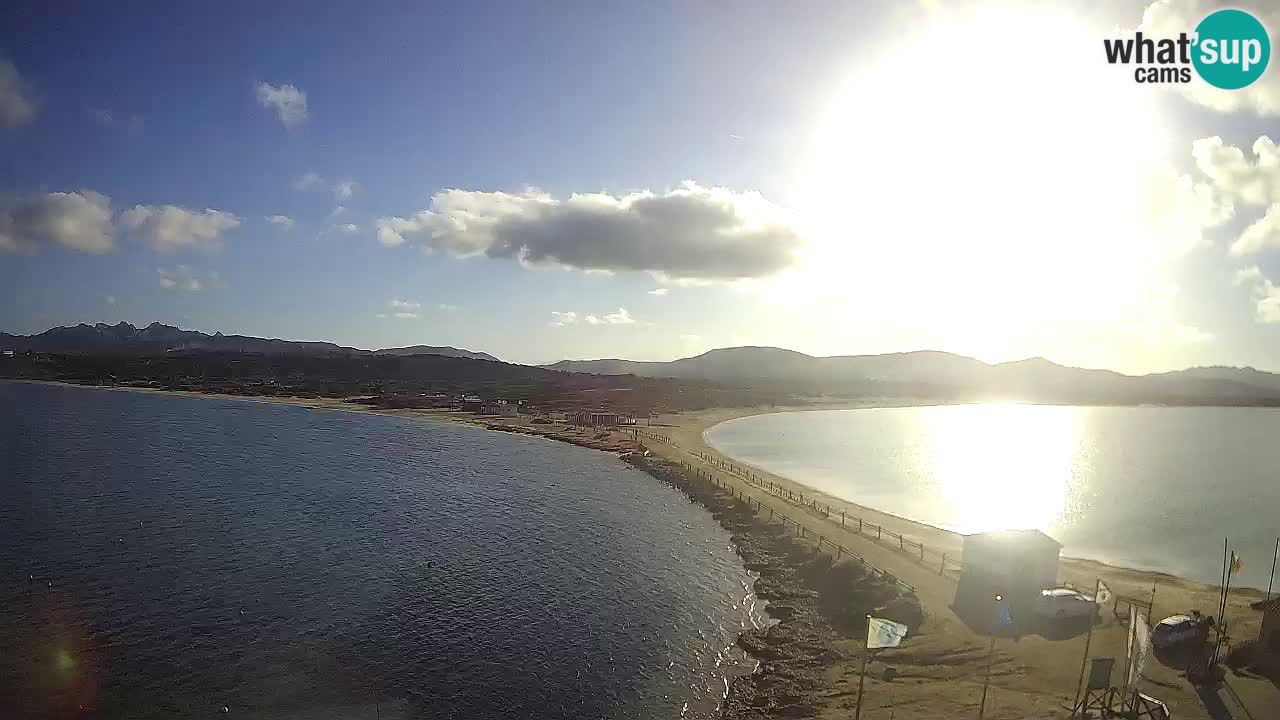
<point x="1002" y="466"/>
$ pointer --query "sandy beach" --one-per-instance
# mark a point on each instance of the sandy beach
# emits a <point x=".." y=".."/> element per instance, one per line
<point x="940" y="669"/>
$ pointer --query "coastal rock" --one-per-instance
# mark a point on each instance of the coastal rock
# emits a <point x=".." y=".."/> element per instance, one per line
<point x="813" y="599"/>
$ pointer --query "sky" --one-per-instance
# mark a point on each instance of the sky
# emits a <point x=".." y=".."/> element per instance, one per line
<point x="544" y="181"/>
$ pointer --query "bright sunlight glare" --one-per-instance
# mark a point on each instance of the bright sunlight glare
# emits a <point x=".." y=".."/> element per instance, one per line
<point x="1006" y="185"/>
<point x="1002" y="466"/>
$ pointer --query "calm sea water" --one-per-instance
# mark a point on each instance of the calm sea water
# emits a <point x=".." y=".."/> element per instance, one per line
<point x="287" y="562"/>
<point x="1148" y="487"/>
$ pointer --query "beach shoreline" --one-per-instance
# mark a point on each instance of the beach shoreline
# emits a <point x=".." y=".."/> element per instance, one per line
<point x="1035" y="675"/>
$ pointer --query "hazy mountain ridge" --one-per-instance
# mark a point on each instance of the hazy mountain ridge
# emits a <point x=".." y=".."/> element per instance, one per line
<point x="157" y="338"/>
<point x="942" y="372"/>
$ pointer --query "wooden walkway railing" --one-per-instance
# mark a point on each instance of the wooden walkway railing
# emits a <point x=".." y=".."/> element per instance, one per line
<point x="944" y="566"/>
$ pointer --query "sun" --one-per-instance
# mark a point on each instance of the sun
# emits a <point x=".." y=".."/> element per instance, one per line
<point x="984" y="175"/>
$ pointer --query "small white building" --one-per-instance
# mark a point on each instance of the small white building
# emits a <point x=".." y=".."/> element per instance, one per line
<point x="1015" y="560"/>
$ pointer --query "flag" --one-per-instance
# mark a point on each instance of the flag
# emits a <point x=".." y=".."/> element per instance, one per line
<point x="884" y="633"/>
<point x="1235" y="563"/>
<point x="1104" y="593"/>
<point x="1139" y="645"/>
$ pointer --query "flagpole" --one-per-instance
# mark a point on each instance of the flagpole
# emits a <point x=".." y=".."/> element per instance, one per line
<point x="862" y="677"/>
<point x="1087" y="639"/>
<point x="986" y="682"/>
<point x="1271" y="579"/>
<point x="1222" y="599"/>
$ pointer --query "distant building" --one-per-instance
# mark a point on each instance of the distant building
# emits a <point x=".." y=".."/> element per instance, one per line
<point x="501" y="407"/>
<point x="590" y="418"/>
<point x="471" y="403"/>
<point x="9" y="353"/>
<point x="1268" y="647"/>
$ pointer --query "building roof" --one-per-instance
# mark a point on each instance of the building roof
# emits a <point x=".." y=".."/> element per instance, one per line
<point x="1013" y="538"/>
<point x="1267" y="606"/>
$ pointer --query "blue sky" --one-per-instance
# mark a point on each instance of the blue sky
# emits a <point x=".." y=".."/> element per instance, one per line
<point x="752" y="167"/>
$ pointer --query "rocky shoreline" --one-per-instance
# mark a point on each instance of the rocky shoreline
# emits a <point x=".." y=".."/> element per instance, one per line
<point x="815" y="601"/>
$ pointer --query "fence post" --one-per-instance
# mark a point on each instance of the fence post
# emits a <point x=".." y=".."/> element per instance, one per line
<point x="842" y="517"/>
<point x="921" y="552"/>
<point x="839" y="551"/>
<point x="902" y="543"/>
<point x="942" y="570"/>
<point x="878" y="529"/>
<point x="859" y="526"/>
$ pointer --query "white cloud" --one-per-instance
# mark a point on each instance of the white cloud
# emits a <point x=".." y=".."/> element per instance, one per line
<point x="171" y="228"/>
<point x="560" y="319"/>
<point x="1265" y="294"/>
<point x="405" y="316"/>
<point x="1167" y="18"/>
<point x="404" y="305"/>
<point x="110" y="299"/>
<point x="690" y="232"/>
<point x="618" y="317"/>
<point x="381" y="316"/>
<point x="446" y="307"/>
<point x="284" y="222"/>
<point x="306" y="181"/>
<point x="17" y="106"/>
<point x="621" y="317"/>
<point x="183" y="277"/>
<point x="76" y="220"/>
<point x="1262" y="234"/>
<point x="349" y="228"/>
<point x="658" y="291"/>
<point x="1250" y="180"/>
<point x="287" y="101"/>
<point x="345" y="189"/>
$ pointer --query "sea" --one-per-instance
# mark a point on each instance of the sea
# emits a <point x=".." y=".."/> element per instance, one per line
<point x="1156" y="488"/>
<point x="167" y="556"/>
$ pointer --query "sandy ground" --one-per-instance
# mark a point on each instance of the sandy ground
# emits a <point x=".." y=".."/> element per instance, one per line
<point x="940" y="670"/>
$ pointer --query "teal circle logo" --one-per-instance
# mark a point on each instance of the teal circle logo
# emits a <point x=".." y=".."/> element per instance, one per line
<point x="1232" y="49"/>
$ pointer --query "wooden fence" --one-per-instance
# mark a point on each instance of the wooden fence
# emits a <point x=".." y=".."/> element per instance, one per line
<point x="944" y="566"/>
<point x="822" y="541"/>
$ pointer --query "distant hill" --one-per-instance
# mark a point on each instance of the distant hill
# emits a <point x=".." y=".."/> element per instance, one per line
<point x="941" y="374"/>
<point x="432" y="350"/>
<point x="124" y="338"/>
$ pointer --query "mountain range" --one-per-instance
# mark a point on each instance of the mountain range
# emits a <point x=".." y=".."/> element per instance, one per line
<point x="124" y="338"/>
<point x="946" y="373"/>
<point x="926" y="373"/>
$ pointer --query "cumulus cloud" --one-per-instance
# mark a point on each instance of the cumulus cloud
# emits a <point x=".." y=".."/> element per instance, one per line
<point x="1252" y="180"/>
<point x="1265" y="294"/>
<point x="1262" y="234"/>
<point x="658" y="291"/>
<point x="171" y="228"/>
<point x="405" y="305"/>
<point x="306" y="181"/>
<point x="286" y="101"/>
<point x="183" y="277"/>
<point x="691" y="232"/>
<point x="349" y="228"/>
<point x="560" y="319"/>
<point x="618" y="317"/>
<point x="1167" y="18"/>
<point x="17" y="106"/>
<point x="75" y="220"/>
<point x="345" y="189"/>
<point x="284" y="222"/>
